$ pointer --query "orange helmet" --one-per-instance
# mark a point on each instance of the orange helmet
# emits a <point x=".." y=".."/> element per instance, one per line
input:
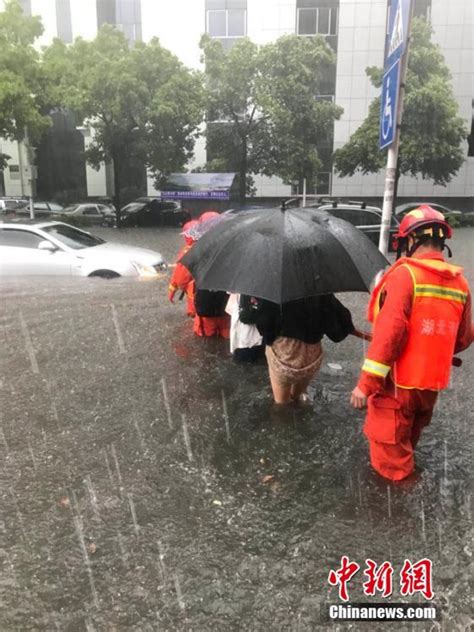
<point x="423" y="221"/>
<point x="187" y="231"/>
<point x="208" y="215"/>
<point x="424" y="216"/>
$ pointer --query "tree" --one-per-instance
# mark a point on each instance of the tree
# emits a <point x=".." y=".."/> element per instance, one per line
<point x="21" y="85"/>
<point x="263" y="111"/>
<point x="233" y="116"/>
<point x="296" y="77"/>
<point x="141" y="102"/>
<point x="432" y="132"/>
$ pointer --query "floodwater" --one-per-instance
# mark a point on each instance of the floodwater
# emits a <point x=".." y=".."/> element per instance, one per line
<point x="148" y="483"/>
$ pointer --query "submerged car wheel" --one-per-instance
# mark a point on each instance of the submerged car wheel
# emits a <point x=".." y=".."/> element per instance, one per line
<point x="104" y="274"/>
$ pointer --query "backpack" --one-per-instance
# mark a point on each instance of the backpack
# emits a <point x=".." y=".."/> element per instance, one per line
<point x="249" y="309"/>
<point x="210" y="304"/>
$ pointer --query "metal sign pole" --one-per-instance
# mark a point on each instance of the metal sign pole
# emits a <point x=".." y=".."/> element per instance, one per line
<point x="392" y="154"/>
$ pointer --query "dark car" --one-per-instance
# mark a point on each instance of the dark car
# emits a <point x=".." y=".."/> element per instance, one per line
<point x="366" y="218"/>
<point x="403" y="209"/>
<point x="153" y="212"/>
<point x="91" y="213"/>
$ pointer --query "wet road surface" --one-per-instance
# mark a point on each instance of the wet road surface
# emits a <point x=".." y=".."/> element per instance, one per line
<point x="148" y="483"/>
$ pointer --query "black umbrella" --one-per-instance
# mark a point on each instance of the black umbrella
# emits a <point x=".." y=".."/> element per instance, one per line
<point x="283" y="255"/>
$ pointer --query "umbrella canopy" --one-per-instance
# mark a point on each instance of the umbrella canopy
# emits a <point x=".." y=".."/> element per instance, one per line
<point x="284" y="255"/>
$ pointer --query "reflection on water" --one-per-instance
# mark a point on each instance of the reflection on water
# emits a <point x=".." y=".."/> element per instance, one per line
<point x="149" y="483"/>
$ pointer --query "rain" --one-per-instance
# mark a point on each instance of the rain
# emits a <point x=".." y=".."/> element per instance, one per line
<point x="149" y="483"/>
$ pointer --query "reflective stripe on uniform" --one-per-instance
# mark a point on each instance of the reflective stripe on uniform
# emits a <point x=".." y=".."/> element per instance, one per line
<point x="376" y="368"/>
<point x="439" y="291"/>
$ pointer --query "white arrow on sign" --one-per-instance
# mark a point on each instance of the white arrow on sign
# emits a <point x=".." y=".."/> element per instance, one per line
<point x="396" y="38"/>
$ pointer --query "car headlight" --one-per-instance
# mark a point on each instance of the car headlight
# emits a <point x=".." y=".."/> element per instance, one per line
<point x="145" y="270"/>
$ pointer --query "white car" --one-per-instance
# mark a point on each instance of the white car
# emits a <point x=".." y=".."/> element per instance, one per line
<point x="54" y="248"/>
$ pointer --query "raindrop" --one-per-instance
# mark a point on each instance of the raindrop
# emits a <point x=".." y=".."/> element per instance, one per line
<point x="109" y="470"/>
<point x="468" y="506"/>
<point x="179" y="594"/>
<point x="389" y="501"/>
<point x="123" y="552"/>
<point x="139" y="433"/>
<point x="187" y="440"/>
<point x="360" y="490"/>
<point x="134" y="515"/>
<point x="440" y="537"/>
<point x="446" y="461"/>
<point x="117" y="329"/>
<point x="28" y="344"/>
<point x="80" y="535"/>
<point x="117" y="468"/>
<point x="92" y="495"/>
<point x="226" y="417"/>
<point x="4" y="440"/>
<point x="32" y="456"/>
<point x="167" y="403"/>
<point x="422" y="514"/>
<point x="20" y="517"/>
<point x="161" y="559"/>
<point x="89" y="626"/>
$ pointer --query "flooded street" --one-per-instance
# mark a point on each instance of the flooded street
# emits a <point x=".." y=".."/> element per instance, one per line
<point x="148" y="482"/>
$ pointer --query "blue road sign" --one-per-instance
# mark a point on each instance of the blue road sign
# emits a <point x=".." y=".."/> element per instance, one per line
<point x="388" y="105"/>
<point x="397" y="31"/>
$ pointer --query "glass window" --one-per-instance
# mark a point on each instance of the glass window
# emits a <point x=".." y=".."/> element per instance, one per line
<point x="90" y="210"/>
<point x="14" y="171"/>
<point x="226" y="23"/>
<point x="72" y="237"/>
<point x="307" y="21"/>
<point x="26" y="6"/>
<point x="41" y="206"/>
<point x="63" y="20"/>
<point x="216" y="23"/>
<point x="19" y="238"/>
<point x="322" y="20"/>
<point x="235" y="23"/>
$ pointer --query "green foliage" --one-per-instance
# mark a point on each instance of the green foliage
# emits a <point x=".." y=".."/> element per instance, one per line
<point x="294" y="71"/>
<point x="21" y="84"/>
<point x="263" y="114"/>
<point x="142" y="102"/>
<point x="432" y="132"/>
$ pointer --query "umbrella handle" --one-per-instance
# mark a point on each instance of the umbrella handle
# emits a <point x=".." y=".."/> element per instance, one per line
<point x="365" y="335"/>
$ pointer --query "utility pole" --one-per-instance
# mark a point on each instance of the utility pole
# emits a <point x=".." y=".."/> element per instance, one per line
<point x="393" y="92"/>
<point x="30" y="171"/>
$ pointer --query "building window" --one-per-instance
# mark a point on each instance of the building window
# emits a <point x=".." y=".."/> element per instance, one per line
<point x="129" y="19"/>
<point x="14" y="172"/>
<point x="225" y="23"/>
<point x="422" y="8"/>
<point x="316" y="20"/>
<point x="26" y="6"/>
<point x="63" y="20"/>
<point x="106" y="12"/>
<point x="470" y="138"/>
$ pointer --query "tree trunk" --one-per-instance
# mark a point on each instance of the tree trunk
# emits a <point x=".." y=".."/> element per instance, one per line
<point x="117" y="167"/>
<point x="395" y="186"/>
<point x="243" y="173"/>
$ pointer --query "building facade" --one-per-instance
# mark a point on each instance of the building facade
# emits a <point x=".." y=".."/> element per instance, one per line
<point x="354" y="28"/>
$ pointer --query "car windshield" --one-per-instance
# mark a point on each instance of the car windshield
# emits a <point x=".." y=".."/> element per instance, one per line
<point x="71" y="237"/>
<point x="133" y="207"/>
<point x="71" y="208"/>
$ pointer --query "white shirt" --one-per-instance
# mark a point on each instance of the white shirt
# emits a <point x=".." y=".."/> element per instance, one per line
<point x="241" y="336"/>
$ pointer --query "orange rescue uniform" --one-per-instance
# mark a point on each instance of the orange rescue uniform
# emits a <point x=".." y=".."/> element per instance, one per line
<point x="421" y="311"/>
<point x="182" y="279"/>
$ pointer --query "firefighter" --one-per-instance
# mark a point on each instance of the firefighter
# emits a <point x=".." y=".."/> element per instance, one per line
<point x="182" y="278"/>
<point x="421" y="315"/>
